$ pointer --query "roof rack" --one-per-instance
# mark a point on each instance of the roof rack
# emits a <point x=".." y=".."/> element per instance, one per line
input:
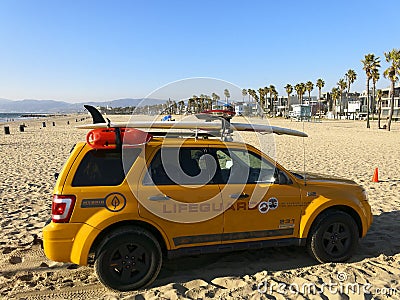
<point x="211" y="126"/>
<point x="189" y="134"/>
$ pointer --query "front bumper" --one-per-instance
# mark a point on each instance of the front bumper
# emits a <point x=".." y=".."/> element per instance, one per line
<point x="370" y="217"/>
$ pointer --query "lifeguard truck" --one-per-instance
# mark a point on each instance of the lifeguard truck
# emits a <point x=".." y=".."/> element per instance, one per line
<point x="134" y="194"/>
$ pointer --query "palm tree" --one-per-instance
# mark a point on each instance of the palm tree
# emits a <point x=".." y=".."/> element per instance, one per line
<point x="309" y="88"/>
<point x="375" y="78"/>
<point x="379" y="95"/>
<point x="275" y="94"/>
<point x="272" y="92"/>
<point x="253" y="95"/>
<point x="267" y="103"/>
<point x="244" y="93"/>
<point x="350" y="76"/>
<point x="335" y="95"/>
<point x="255" y="98"/>
<point x="302" y="90"/>
<point x="200" y="102"/>
<point x="190" y="105"/>
<point x="261" y="92"/>
<point x="392" y="57"/>
<point x="227" y="95"/>
<point x="297" y="88"/>
<point x="215" y="98"/>
<point x="181" y="105"/>
<point x="370" y="62"/>
<point x="342" y="86"/>
<point x="320" y="84"/>
<point x="250" y="93"/>
<point x="209" y="102"/>
<point x="289" y="90"/>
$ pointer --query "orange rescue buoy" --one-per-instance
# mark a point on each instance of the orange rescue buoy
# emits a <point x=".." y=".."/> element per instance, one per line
<point x="106" y="138"/>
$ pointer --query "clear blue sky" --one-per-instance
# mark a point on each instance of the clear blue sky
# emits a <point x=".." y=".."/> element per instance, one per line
<point x="102" y="50"/>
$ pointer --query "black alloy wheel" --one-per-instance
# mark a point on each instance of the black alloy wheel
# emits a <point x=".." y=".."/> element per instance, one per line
<point x="129" y="260"/>
<point x="333" y="238"/>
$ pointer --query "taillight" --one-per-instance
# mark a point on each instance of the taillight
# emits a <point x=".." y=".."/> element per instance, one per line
<point x="62" y="207"/>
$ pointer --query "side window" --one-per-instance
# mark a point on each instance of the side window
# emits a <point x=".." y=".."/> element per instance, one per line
<point x="178" y="166"/>
<point x="242" y="166"/>
<point x="104" y="167"/>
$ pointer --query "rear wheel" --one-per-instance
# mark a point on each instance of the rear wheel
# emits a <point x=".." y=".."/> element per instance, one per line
<point x="129" y="260"/>
<point x="334" y="238"/>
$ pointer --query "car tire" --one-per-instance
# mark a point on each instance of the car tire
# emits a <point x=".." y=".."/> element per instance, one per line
<point x="130" y="259"/>
<point x="334" y="238"/>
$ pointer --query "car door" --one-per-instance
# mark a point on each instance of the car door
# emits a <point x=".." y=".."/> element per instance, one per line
<point x="258" y="204"/>
<point x="176" y="192"/>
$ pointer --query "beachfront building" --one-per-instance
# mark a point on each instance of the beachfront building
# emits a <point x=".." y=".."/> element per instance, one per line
<point x="246" y="108"/>
<point x="363" y="102"/>
<point x="354" y="107"/>
<point x="386" y="103"/>
<point x="281" y="105"/>
<point x="313" y="103"/>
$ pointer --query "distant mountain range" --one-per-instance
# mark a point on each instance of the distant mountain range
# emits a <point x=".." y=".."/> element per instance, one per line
<point x="53" y="106"/>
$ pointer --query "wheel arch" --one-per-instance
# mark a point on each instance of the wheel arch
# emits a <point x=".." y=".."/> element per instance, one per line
<point x="311" y="222"/>
<point x="101" y="238"/>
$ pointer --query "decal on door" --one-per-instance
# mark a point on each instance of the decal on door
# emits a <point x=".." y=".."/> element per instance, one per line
<point x="265" y="206"/>
<point x="114" y="202"/>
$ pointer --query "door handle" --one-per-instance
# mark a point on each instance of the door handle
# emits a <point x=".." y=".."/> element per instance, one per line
<point x="239" y="196"/>
<point x="159" y="198"/>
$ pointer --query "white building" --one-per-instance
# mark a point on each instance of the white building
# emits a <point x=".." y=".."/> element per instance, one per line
<point x="386" y="103"/>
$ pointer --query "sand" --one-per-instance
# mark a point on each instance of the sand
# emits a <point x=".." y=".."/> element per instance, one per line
<point x="28" y="161"/>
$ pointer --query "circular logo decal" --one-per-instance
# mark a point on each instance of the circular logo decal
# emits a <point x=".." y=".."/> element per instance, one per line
<point x="263" y="207"/>
<point x="273" y="203"/>
<point x="115" y="202"/>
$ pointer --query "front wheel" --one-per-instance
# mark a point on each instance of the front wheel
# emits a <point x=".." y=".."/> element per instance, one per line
<point x="129" y="260"/>
<point x="334" y="238"/>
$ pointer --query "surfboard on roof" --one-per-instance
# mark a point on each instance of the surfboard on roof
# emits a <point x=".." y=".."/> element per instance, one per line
<point x="208" y="125"/>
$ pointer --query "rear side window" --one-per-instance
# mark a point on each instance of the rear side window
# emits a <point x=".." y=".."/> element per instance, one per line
<point x="178" y="166"/>
<point x="104" y="167"/>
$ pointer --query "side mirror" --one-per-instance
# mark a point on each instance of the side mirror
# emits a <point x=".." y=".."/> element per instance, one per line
<point x="281" y="177"/>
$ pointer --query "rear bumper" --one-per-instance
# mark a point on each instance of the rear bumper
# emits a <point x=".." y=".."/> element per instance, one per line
<point x="59" y="240"/>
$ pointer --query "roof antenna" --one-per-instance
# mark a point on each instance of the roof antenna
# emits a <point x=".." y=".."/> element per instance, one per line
<point x="304" y="159"/>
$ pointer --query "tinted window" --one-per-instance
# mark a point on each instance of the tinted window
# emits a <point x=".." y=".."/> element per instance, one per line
<point x="104" y="167"/>
<point x="178" y="166"/>
<point x="242" y="166"/>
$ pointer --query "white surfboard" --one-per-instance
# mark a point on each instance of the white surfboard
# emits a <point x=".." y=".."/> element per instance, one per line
<point x="203" y="126"/>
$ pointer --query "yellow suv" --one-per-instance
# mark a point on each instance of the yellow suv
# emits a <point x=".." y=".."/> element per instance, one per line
<point x="130" y="205"/>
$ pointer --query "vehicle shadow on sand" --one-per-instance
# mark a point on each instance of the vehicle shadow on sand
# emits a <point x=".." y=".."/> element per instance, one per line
<point x="382" y="238"/>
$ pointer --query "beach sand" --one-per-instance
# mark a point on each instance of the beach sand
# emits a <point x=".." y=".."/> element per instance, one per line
<point x="347" y="149"/>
